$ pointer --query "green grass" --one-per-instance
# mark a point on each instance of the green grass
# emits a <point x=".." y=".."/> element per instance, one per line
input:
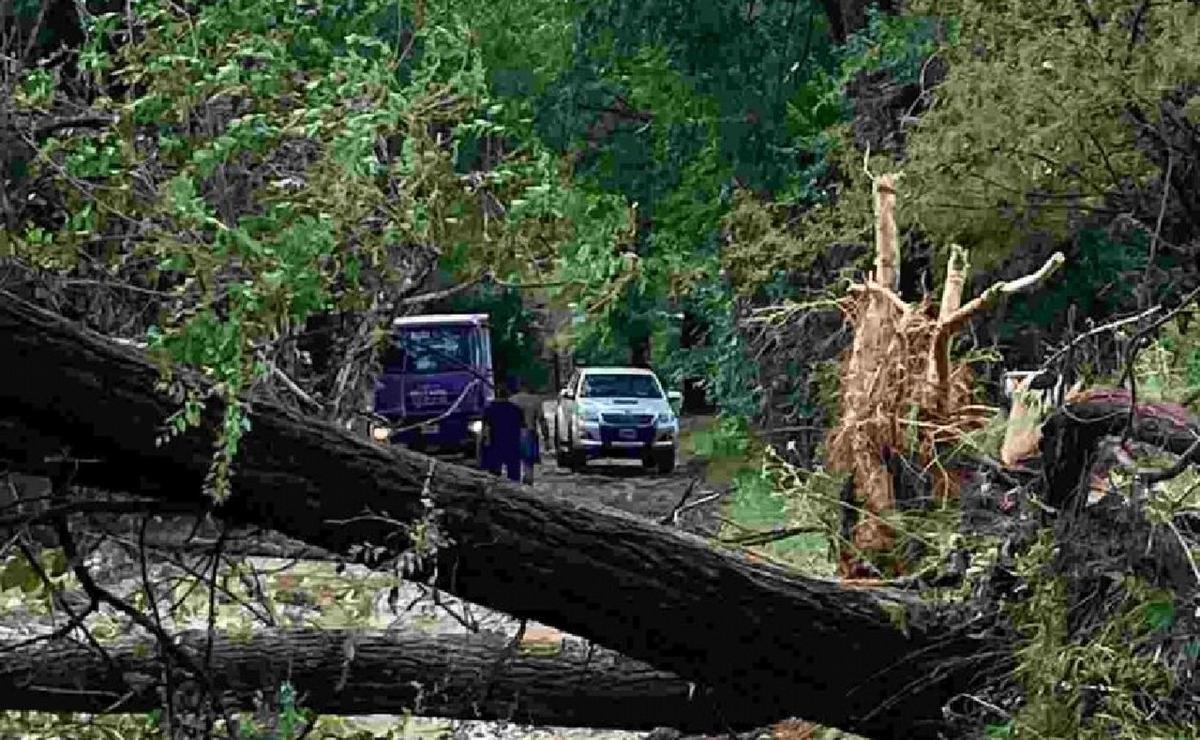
<point x="755" y="505"/>
<point x="733" y="457"/>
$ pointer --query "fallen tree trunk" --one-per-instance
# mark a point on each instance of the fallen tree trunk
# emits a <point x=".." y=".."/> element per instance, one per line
<point x="186" y="535"/>
<point x="766" y="644"/>
<point x="28" y="496"/>
<point x="470" y="676"/>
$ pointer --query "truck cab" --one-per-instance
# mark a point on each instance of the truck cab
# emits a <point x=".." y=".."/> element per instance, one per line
<point x="436" y="379"/>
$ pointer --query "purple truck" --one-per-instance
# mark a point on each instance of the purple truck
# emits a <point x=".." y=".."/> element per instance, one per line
<point x="436" y="379"/>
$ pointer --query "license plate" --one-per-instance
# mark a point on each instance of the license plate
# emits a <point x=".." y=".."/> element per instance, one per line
<point x="627" y="434"/>
<point x="429" y="428"/>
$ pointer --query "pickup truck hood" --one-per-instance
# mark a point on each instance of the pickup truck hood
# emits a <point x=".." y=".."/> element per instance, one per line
<point x="628" y="405"/>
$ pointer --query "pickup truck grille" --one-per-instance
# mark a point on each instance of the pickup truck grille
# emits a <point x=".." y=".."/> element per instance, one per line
<point x="623" y="419"/>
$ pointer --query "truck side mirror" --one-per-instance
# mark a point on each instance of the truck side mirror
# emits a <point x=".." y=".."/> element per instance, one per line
<point x="674" y="396"/>
<point x="566" y="393"/>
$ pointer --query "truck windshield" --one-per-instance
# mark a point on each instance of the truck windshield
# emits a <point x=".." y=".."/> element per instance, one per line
<point x="430" y="350"/>
<point x="620" y="386"/>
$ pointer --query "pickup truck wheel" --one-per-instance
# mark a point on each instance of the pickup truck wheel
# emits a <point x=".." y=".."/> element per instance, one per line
<point x="578" y="460"/>
<point x="561" y="458"/>
<point x="666" y="462"/>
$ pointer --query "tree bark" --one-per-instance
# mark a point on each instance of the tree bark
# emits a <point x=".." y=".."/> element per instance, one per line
<point x="764" y="641"/>
<point x="469" y="676"/>
<point x="850" y="16"/>
<point x="1069" y="440"/>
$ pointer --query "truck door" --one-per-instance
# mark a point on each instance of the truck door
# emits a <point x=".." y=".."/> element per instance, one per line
<point x="565" y="409"/>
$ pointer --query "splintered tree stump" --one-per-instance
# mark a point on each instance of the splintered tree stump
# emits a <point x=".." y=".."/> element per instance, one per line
<point x="901" y="393"/>
<point x="875" y="343"/>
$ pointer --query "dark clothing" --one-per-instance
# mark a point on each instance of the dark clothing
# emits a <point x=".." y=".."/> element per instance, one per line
<point x="502" y="423"/>
<point x="511" y="466"/>
<point x="530" y="448"/>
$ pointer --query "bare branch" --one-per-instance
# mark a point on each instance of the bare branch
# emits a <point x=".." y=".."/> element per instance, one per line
<point x="1175" y="470"/>
<point x="87" y="121"/>
<point x="1110" y="326"/>
<point x="887" y="246"/>
<point x="994" y="294"/>
<point x="870" y="286"/>
<point x="450" y="292"/>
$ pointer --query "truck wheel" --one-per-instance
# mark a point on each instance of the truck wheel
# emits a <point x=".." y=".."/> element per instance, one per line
<point x="560" y="454"/>
<point x="666" y="462"/>
<point x="576" y="458"/>
<point x="578" y="461"/>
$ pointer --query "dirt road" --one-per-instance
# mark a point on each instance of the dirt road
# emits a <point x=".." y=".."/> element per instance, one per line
<point x="624" y="484"/>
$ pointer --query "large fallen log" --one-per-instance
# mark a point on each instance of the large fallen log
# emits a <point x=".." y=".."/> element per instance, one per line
<point x="181" y="533"/>
<point x="766" y="644"/>
<point x="470" y="676"/>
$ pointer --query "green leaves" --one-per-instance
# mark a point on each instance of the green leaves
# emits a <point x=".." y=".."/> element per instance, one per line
<point x="897" y="44"/>
<point x="1159" y="614"/>
<point x="1029" y="128"/>
<point x="16" y="572"/>
<point x="35" y="89"/>
<point x="266" y="157"/>
<point x="93" y="157"/>
<point x="185" y="203"/>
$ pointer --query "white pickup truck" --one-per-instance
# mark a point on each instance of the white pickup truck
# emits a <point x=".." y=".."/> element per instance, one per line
<point x="616" y="412"/>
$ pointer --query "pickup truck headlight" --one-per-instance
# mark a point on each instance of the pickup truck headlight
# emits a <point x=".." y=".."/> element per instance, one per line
<point x="475" y="427"/>
<point x="587" y="414"/>
<point x="381" y="434"/>
<point x="665" y="418"/>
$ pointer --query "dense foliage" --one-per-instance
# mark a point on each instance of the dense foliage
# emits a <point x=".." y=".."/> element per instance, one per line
<point x="252" y="165"/>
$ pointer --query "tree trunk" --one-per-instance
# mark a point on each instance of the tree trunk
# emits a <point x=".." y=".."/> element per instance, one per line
<point x="866" y="422"/>
<point x="469" y="676"/>
<point x="833" y="13"/>
<point x="764" y="641"/>
<point x="694" y="334"/>
<point x="850" y="16"/>
<point x="639" y="352"/>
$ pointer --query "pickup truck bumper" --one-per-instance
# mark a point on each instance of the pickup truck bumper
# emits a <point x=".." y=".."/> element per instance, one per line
<point x="600" y="440"/>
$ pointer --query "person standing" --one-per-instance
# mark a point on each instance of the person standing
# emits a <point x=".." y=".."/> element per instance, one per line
<point x="535" y="420"/>
<point x="503" y="422"/>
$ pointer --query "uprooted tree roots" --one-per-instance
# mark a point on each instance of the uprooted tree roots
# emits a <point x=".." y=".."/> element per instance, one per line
<point x="901" y="394"/>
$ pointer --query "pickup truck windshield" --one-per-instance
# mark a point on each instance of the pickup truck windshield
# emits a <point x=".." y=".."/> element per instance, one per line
<point x="426" y="351"/>
<point x="620" y="386"/>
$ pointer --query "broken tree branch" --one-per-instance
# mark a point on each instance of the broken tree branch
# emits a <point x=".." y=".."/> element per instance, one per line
<point x="995" y="293"/>
<point x="887" y="246"/>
